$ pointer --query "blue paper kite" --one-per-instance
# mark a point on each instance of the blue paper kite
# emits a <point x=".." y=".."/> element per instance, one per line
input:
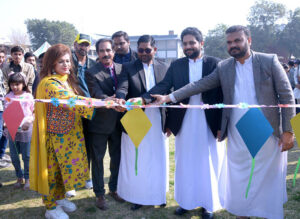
<point x="255" y="130"/>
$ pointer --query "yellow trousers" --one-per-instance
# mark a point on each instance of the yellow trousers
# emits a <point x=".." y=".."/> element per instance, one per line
<point x="56" y="186"/>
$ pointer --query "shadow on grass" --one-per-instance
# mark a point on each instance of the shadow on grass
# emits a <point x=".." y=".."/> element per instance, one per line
<point x="7" y="175"/>
<point x="15" y="195"/>
<point x="23" y="212"/>
<point x="87" y="209"/>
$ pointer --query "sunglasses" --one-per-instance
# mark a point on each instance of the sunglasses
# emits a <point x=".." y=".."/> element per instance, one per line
<point x="147" y="50"/>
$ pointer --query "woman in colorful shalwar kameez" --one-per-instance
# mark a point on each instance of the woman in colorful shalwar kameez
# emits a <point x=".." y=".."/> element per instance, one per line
<point x="58" y="159"/>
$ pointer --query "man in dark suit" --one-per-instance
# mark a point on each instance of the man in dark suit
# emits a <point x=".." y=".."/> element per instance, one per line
<point x="193" y="179"/>
<point x="123" y="52"/>
<point x="104" y="128"/>
<point x="137" y="78"/>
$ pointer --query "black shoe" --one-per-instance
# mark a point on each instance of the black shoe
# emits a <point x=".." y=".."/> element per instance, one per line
<point x="163" y="205"/>
<point x="180" y="211"/>
<point x="1" y="185"/>
<point x="206" y="215"/>
<point x="135" y="207"/>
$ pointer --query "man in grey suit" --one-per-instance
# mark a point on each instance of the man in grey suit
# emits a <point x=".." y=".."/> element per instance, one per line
<point x="254" y="78"/>
<point x="105" y="127"/>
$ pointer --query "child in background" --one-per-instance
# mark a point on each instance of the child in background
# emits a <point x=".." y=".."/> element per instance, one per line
<point x="19" y="90"/>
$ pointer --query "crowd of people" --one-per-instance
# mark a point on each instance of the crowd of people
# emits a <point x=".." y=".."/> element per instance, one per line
<point x="61" y="143"/>
<point x="293" y="72"/>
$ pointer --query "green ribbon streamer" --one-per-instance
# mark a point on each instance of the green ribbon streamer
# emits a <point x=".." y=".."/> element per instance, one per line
<point x="296" y="171"/>
<point x="250" y="178"/>
<point x="136" y="159"/>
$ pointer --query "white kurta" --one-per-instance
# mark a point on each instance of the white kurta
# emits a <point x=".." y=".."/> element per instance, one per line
<point x="150" y="185"/>
<point x="267" y="193"/>
<point x="197" y="156"/>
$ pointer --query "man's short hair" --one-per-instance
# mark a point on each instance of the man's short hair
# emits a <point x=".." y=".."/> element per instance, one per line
<point x="291" y="63"/>
<point x="17" y="49"/>
<point x="41" y="56"/>
<point x="238" y="28"/>
<point x="121" y="34"/>
<point x="29" y="54"/>
<point x="192" y="31"/>
<point x="146" y="39"/>
<point x="2" y="51"/>
<point x="103" y="40"/>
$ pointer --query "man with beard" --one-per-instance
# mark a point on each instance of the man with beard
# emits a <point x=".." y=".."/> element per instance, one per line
<point x="82" y="62"/>
<point x="147" y="186"/>
<point x="105" y="127"/>
<point x="259" y="79"/>
<point x="123" y="52"/>
<point x="197" y="156"/>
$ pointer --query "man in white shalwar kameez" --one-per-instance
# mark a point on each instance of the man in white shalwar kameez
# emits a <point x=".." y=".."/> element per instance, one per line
<point x="147" y="185"/>
<point x="198" y="158"/>
<point x="254" y="78"/>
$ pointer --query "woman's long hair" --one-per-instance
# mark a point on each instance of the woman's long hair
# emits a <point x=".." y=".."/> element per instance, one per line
<point x="51" y="57"/>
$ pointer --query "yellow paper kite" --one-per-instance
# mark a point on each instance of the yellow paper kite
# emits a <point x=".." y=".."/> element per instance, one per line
<point x="137" y="124"/>
<point x="295" y="122"/>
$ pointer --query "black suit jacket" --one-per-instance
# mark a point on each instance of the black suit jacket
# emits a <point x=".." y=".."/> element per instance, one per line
<point x="101" y="85"/>
<point x="178" y="76"/>
<point x="133" y="56"/>
<point x="132" y="80"/>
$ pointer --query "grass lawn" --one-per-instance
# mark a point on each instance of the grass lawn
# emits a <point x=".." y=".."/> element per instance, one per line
<point x="28" y="204"/>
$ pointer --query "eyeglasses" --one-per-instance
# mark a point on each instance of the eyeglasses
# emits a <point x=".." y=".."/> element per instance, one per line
<point x="147" y="50"/>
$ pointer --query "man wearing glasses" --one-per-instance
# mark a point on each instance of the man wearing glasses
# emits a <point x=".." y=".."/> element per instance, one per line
<point x="123" y="52"/>
<point x="147" y="186"/>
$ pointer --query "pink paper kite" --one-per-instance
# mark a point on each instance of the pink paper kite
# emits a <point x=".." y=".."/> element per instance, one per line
<point x="13" y="116"/>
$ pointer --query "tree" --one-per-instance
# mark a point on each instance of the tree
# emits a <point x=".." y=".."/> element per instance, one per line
<point x="264" y="25"/>
<point x="265" y="13"/>
<point x="52" y="31"/>
<point x="17" y="37"/>
<point x="289" y="38"/>
<point x="215" y="42"/>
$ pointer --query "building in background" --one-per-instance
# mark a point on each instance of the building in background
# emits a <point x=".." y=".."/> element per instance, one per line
<point x="168" y="46"/>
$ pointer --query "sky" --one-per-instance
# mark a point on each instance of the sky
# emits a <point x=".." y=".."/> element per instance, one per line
<point x="136" y="17"/>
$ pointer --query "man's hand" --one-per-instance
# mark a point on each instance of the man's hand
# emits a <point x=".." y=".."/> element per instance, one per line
<point x="219" y="135"/>
<point x="121" y="103"/>
<point x="286" y="141"/>
<point x="168" y="132"/>
<point x="160" y="99"/>
<point x="113" y="97"/>
<point x="110" y="101"/>
<point x="136" y="100"/>
<point x="25" y="126"/>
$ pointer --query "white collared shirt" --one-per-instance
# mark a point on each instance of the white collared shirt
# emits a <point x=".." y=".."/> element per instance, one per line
<point x="149" y="75"/>
<point x="195" y="73"/>
<point x="244" y="83"/>
<point x="195" y="70"/>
